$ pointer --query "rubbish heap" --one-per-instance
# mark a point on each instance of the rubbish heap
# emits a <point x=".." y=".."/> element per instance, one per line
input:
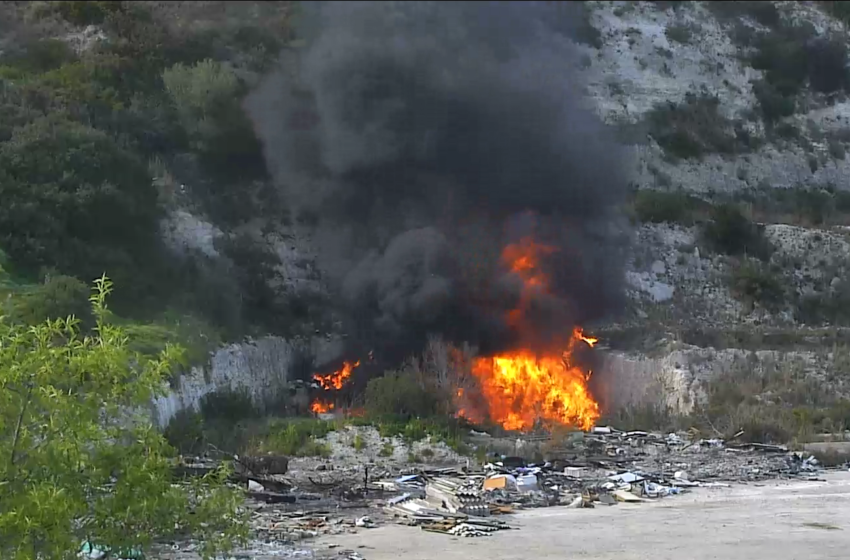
<point x="601" y="468"/>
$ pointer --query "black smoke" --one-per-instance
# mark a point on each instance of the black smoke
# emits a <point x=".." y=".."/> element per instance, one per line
<point x="417" y="139"/>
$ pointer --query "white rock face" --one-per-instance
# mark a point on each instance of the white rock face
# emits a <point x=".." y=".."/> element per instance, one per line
<point x="184" y="232"/>
<point x="261" y="368"/>
<point x="639" y="67"/>
<point x="675" y="380"/>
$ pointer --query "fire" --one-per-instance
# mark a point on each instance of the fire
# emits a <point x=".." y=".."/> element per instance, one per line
<point x="334" y="381"/>
<point x="523" y="388"/>
<point x="331" y="382"/>
<point x="320" y="407"/>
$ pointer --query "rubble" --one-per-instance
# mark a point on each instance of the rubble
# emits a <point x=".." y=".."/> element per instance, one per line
<point x="604" y="467"/>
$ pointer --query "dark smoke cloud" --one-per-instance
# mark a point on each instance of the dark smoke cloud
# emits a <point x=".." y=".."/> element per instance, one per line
<point x="425" y="136"/>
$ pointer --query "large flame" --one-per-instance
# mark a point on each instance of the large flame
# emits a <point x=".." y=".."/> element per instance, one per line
<point x="523" y="388"/>
<point x="331" y="382"/>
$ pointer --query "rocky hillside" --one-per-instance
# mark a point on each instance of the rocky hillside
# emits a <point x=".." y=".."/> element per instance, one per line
<point x="736" y="116"/>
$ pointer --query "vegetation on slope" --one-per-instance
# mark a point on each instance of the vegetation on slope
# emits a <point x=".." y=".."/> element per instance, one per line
<point x="97" y="130"/>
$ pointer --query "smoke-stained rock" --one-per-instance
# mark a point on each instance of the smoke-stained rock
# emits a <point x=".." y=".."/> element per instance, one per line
<point x="444" y="131"/>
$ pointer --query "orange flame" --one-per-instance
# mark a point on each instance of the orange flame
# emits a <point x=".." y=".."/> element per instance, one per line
<point x="320" y="407"/>
<point x="523" y="388"/>
<point x="335" y="380"/>
<point x="331" y="382"/>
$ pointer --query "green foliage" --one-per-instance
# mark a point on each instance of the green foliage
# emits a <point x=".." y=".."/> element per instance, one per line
<point x="78" y="464"/>
<point x="359" y="443"/>
<point x="791" y="57"/>
<point x="754" y="282"/>
<point x="399" y="395"/>
<point x="58" y="297"/>
<point x="832" y="306"/>
<point x="230" y="405"/>
<point x="695" y="127"/>
<point x="732" y="233"/>
<point x="671" y="207"/>
<point x="295" y="437"/>
<point x="82" y="12"/>
<point x="185" y="432"/>
<point x="680" y="32"/>
<point x="40" y="55"/>
<point x="387" y="450"/>
<point x="197" y="337"/>
<point x="207" y="98"/>
<point x="75" y="200"/>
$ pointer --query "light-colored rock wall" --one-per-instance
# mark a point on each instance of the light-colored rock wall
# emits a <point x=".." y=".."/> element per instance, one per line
<point x="262" y="368"/>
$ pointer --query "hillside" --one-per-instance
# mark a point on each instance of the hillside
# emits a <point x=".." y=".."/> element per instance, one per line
<point x="132" y="142"/>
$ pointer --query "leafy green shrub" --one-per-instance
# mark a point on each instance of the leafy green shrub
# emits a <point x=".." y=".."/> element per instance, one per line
<point x="399" y="395"/>
<point x="228" y="404"/>
<point x="680" y="32"/>
<point x="76" y="201"/>
<point x="754" y="282"/>
<point x="207" y="97"/>
<point x="296" y="438"/>
<point x="82" y="12"/>
<point x="40" y="55"/>
<point x="695" y="127"/>
<point x="732" y="233"/>
<point x="57" y="298"/>
<point x="387" y="450"/>
<point x="671" y="207"/>
<point x="791" y="57"/>
<point x="832" y="307"/>
<point x="185" y="432"/>
<point x="76" y="467"/>
<point x="773" y="104"/>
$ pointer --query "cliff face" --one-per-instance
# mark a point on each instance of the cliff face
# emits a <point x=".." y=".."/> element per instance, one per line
<point x="699" y="92"/>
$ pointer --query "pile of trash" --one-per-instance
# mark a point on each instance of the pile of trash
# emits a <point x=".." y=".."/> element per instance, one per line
<point x="604" y="467"/>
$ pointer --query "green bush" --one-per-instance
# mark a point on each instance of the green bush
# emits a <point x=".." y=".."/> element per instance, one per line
<point x="399" y="395"/>
<point x="40" y="55"/>
<point x="670" y="207"/>
<point x="296" y="438"/>
<point x="754" y="282"/>
<point x="76" y="201"/>
<point x="773" y="104"/>
<point x="695" y="127"/>
<point x="185" y="432"/>
<point x="77" y="465"/>
<point x="832" y="307"/>
<point x="82" y="12"/>
<point x="791" y="57"/>
<point x="207" y="97"/>
<point x="57" y="298"/>
<point x="680" y="32"/>
<point x="229" y="405"/>
<point x="732" y="233"/>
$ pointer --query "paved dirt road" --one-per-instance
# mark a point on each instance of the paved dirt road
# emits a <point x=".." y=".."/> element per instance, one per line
<point x="777" y="520"/>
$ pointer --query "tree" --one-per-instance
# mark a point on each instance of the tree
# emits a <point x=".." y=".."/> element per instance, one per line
<point x="77" y="464"/>
<point x="75" y="200"/>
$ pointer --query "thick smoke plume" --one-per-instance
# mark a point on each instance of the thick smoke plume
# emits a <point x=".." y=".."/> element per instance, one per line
<point x="421" y="138"/>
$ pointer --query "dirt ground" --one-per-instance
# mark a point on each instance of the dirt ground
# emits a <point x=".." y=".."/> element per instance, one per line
<point x="781" y="520"/>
